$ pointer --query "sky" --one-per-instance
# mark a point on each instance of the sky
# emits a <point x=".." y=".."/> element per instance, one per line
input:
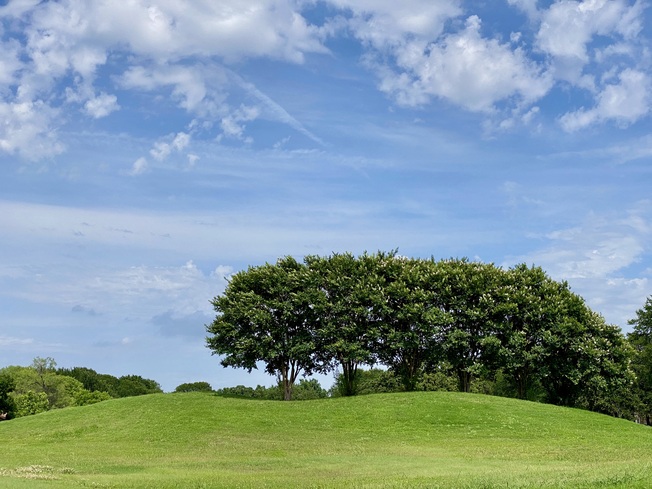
<point x="150" y="149"/>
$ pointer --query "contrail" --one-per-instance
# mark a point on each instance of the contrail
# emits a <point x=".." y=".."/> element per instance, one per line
<point x="277" y="111"/>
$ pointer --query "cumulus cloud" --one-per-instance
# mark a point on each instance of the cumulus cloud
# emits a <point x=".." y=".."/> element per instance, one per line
<point x="180" y="45"/>
<point x="29" y="129"/>
<point x="466" y="69"/>
<point x="567" y="28"/>
<point x="101" y="105"/>
<point x="385" y="24"/>
<point x="624" y="102"/>
<point x="55" y="56"/>
<point x="417" y="60"/>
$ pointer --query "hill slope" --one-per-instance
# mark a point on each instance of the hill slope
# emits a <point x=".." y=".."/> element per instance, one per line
<point x="396" y="440"/>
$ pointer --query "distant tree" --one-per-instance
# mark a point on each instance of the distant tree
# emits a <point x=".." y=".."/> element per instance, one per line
<point x="274" y="393"/>
<point x="269" y="314"/>
<point x="7" y="404"/>
<point x="194" y="387"/>
<point x="372" y="381"/>
<point x="90" y="379"/>
<point x="30" y="402"/>
<point x="125" y="386"/>
<point x="135" y="385"/>
<point x="85" y="397"/>
<point x="308" y="389"/>
<point x="438" y="380"/>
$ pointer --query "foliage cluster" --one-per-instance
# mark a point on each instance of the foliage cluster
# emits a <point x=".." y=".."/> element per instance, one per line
<point x="424" y="320"/>
<point x="305" y="389"/>
<point x="194" y="387"/>
<point x="125" y="386"/>
<point x="41" y="387"/>
<point x="641" y="340"/>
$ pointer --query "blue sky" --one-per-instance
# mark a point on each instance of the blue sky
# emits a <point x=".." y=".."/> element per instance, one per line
<point x="148" y="150"/>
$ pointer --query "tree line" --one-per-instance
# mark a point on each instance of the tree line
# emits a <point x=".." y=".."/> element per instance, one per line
<point x="42" y="386"/>
<point x="423" y="320"/>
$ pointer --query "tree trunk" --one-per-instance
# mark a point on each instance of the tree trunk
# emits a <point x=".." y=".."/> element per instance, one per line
<point x="464" y="380"/>
<point x="349" y="373"/>
<point x="287" y="390"/>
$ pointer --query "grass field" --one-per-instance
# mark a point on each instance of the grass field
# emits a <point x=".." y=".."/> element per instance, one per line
<point x="396" y="440"/>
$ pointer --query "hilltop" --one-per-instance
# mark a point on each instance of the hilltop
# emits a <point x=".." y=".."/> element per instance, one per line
<point x="427" y="439"/>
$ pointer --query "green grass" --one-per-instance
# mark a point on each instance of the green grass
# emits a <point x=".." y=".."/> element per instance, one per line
<point x="396" y="440"/>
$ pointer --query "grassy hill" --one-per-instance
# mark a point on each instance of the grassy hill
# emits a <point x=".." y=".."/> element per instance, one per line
<point x="427" y="439"/>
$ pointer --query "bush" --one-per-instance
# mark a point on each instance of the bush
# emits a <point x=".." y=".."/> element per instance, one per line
<point x="7" y="404"/>
<point x="31" y="403"/>
<point x="194" y="387"/>
<point x="437" y="381"/>
<point x="373" y="381"/>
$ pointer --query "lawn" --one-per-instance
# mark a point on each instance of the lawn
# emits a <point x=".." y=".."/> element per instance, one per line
<point x="427" y="439"/>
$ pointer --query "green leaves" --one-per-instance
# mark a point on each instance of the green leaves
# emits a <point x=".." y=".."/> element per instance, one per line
<point x="414" y="315"/>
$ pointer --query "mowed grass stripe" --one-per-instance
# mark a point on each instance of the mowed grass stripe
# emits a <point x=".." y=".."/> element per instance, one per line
<point x="426" y="439"/>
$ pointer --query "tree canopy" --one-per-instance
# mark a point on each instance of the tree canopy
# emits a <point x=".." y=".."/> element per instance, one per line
<point x="421" y="319"/>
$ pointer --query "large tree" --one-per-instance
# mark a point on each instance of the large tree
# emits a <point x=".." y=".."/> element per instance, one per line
<point x="529" y="308"/>
<point x="641" y="340"/>
<point x="269" y="314"/>
<point x="411" y="316"/>
<point x="467" y="293"/>
<point x="349" y="323"/>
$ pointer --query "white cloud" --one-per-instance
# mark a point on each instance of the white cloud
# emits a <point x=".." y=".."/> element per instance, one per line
<point x="170" y="29"/>
<point x="9" y="63"/>
<point x="101" y="105"/>
<point x="190" y="85"/>
<point x="28" y="129"/>
<point x="527" y="6"/>
<point x="13" y="341"/>
<point x="624" y="102"/>
<point x="595" y="258"/>
<point x="385" y="23"/>
<point x="466" y="69"/>
<point x="163" y="149"/>
<point x="600" y="247"/>
<point x="171" y="44"/>
<point x="139" y="167"/>
<point x="567" y="28"/>
<point x="232" y="125"/>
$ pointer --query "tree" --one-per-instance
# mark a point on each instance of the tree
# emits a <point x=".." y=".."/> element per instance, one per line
<point x="308" y="389"/>
<point x="30" y="403"/>
<point x="372" y="381"/>
<point x="587" y="359"/>
<point x="269" y="314"/>
<point x="348" y="327"/>
<point x="7" y="404"/>
<point x="135" y="385"/>
<point x="640" y="338"/>
<point x="194" y="387"/>
<point x="411" y="317"/>
<point x="85" y="397"/>
<point x="467" y="293"/>
<point x="530" y="309"/>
